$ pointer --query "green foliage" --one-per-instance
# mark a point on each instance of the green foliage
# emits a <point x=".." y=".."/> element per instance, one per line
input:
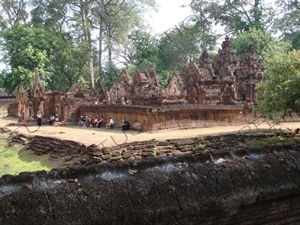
<point x="14" y="161"/>
<point x="295" y="38"/>
<point x="273" y="140"/>
<point x="145" y="50"/>
<point x="68" y="61"/>
<point x="27" y="48"/>
<point x="176" y="48"/>
<point x="280" y="95"/>
<point x="198" y="147"/>
<point x="154" y="151"/>
<point x="61" y="63"/>
<point x="235" y="16"/>
<point x="286" y="24"/>
<point x="110" y="76"/>
<point x="265" y="45"/>
<point x="163" y="78"/>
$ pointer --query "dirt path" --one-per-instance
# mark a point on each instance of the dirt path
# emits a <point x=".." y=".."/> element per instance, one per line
<point x="107" y="138"/>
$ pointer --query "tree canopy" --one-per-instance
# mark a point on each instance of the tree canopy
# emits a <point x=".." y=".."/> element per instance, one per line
<point x="280" y="95"/>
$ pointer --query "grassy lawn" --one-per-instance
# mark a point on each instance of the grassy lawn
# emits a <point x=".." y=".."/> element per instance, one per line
<point x="16" y="159"/>
<point x="13" y="161"/>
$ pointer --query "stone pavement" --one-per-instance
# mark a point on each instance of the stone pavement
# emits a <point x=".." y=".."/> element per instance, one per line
<point x="108" y="138"/>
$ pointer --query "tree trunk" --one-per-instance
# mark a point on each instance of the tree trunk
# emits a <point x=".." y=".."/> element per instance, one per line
<point x="100" y="38"/>
<point x="85" y="11"/>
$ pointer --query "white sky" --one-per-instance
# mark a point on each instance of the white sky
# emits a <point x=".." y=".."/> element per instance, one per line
<point x="169" y="14"/>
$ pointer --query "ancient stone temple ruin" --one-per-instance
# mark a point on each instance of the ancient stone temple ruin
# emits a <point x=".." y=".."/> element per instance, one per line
<point x="223" y="81"/>
<point x="207" y="92"/>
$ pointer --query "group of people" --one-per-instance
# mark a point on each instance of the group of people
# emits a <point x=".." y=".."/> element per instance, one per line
<point x="85" y="121"/>
<point x="41" y="120"/>
<point x="89" y="121"/>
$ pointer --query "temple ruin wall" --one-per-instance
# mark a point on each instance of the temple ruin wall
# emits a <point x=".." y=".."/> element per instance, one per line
<point x="172" y="116"/>
<point x="5" y="102"/>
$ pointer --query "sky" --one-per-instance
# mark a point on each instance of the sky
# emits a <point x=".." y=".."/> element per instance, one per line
<point x="169" y="14"/>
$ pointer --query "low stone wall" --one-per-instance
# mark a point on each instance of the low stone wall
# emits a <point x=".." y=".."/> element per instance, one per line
<point x="5" y="102"/>
<point x="221" y="181"/>
<point x="208" y="148"/>
<point x="172" y="116"/>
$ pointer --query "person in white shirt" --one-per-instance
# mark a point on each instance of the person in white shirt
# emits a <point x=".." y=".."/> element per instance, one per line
<point x="39" y="118"/>
<point x="52" y="119"/>
<point x="110" y="123"/>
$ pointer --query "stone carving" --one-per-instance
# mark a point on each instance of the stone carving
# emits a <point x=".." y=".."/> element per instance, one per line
<point x="145" y="88"/>
<point x="250" y="74"/>
<point x="74" y="89"/>
<point x="21" y="94"/>
<point x="228" y="94"/>
<point x="22" y="99"/>
<point x="41" y="107"/>
<point x="175" y="91"/>
<point x="206" y="63"/>
<point x="38" y="88"/>
<point x="227" y="63"/>
<point x="120" y="92"/>
<point x="99" y="94"/>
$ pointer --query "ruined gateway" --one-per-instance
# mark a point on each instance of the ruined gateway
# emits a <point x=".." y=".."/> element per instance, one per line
<point x="216" y="180"/>
<point x="210" y="92"/>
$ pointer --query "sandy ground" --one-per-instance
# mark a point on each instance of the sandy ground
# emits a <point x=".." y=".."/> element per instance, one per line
<point x="107" y="138"/>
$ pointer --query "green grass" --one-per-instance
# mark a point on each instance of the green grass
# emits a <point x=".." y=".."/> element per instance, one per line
<point x="273" y="140"/>
<point x="15" y="160"/>
<point x="198" y="147"/>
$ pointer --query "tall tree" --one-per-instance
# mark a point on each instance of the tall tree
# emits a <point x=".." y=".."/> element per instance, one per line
<point x="69" y="16"/>
<point x="82" y="11"/>
<point x="203" y="24"/>
<point x="117" y="19"/>
<point x="177" y="47"/>
<point x="67" y="60"/>
<point x="140" y="51"/>
<point x="287" y="24"/>
<point x="236" y="16"/>
<point x="13" y="11"/>
<point x="51" y="15"/>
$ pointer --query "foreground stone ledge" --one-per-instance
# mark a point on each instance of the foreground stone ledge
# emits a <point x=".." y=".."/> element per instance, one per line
<point x="162" y="190"/>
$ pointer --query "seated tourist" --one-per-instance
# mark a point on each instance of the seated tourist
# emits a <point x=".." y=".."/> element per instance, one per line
<point x="126" y="124"/>
<point x="86" y="122"/>
<point x="101" y="122"/>
<point x="110" y="123"/>
<point x="91" y="121"/>
<point x="56" y="118"/>
<point x="95" y="121"/>
<point x="81" y="121"/>
<point x="52" y="119"/>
